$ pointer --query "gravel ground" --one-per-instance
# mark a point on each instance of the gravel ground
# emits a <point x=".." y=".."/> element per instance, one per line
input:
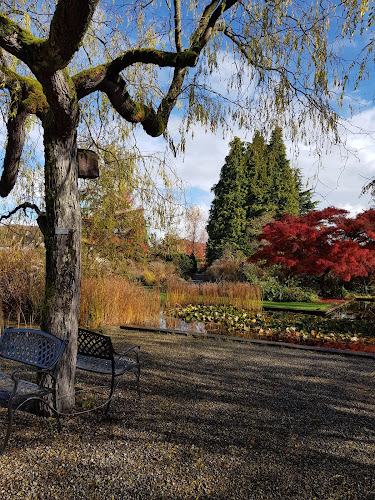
<point x="216" y="420"/>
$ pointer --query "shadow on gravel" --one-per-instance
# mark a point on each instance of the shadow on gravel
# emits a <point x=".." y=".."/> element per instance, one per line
<point x="216" y="420"/>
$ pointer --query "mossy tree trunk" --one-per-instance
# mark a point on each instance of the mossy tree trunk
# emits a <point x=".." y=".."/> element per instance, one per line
<point x="62" y="231"/>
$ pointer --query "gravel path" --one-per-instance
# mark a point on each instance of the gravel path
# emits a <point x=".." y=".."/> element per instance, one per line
<point x="216" y="420"/>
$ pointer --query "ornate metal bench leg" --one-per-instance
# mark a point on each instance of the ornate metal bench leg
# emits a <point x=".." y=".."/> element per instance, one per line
<point x="110" y="394"/>
<point x="9" y="428"/>
<point x="138" y="374"/>
<point x="56" y="413"/>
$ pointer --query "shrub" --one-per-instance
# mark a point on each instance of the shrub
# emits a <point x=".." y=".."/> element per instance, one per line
<point x="163" y="271"/>
<point x="276" y="291"/>
<point x="21" y="284"/>
<point x="186" y="264"/>
<point x="227" y="268"/>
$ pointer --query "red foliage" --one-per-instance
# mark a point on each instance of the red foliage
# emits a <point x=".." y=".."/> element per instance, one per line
<point x="196" y="247"/>
<point x="321" y="242"/>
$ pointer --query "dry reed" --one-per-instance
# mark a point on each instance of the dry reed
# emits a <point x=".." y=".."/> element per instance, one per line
<point x="115" y="301"/>
<point x="242" y="295"/>
<point x="21" y="284"/>
<point x="182" y="293"/>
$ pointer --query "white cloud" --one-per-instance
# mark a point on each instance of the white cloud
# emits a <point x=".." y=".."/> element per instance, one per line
<point x="337" y="179"/>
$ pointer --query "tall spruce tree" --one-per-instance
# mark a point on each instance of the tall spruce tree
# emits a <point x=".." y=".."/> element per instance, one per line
<point x="306" y="203"/>
<point x="227" y="219"/>
<point x="256" y="179"/>
<point x="282" y="193"/>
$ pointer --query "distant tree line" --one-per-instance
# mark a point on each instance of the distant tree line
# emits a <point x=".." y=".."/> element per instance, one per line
<point x="256" y="184"/>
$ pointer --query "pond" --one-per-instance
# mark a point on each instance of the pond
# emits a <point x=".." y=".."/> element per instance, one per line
<point x="348" y="328"/>
<point x="359" y="309"/>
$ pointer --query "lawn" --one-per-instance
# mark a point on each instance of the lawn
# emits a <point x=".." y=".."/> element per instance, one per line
<point x="217" y="420"/>
<point x="308" y="306"/>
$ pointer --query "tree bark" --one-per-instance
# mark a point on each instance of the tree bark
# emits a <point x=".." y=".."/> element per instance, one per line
<point x="62" y="236"/>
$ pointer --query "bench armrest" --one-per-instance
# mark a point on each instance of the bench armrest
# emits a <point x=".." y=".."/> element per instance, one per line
<point x="15" y="374"/>
<point x="128" y="350"/>
<point x="135" y="348"/>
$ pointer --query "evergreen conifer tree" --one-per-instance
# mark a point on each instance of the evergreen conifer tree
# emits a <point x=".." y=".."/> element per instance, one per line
<point x="282" y="194"/>
<point x="306" y="204"/>
<point x="227" y="219"/>
<point x="256" y="179"/>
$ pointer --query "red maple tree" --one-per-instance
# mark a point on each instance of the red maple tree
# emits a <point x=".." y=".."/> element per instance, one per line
<point x="321" y="242"/>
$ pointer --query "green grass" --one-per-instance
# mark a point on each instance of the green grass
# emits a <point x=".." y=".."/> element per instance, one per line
<point x="316" y="306"/>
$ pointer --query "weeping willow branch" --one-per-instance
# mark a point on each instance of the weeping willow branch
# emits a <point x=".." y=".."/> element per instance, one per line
<point x="24" y="207"/>
<point x="41" y="219"/>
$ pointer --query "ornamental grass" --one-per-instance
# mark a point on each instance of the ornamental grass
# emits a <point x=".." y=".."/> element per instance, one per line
<point x="115" y="301"/>
<point x="242" y="295"/>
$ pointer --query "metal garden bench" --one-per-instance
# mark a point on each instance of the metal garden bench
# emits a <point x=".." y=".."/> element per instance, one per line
<point x="96" y="354"/>
<point x="39" y="350"/>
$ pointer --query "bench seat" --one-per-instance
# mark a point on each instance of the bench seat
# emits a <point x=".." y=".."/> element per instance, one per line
<point x="96" y="354"/>
<point x="25" y="389"/>
<point x="40" y="351"/>
<point x="104" y="366"/>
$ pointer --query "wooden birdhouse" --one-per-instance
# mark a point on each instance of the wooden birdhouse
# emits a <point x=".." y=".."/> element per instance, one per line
<point x="88" y="164"/>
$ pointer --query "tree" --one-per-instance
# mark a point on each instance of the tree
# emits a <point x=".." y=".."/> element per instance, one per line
<point x="271" y="185"/>
<point x="71" y="59"/>
<point x="113" y="224"/>
<point x="226" y="225"/>
<point x="305" y="202"/>
<point x="196" y="236"/>
<point x="282" y="195"/>
<point x="256" y="180"/>
<point x="321" y="242"/>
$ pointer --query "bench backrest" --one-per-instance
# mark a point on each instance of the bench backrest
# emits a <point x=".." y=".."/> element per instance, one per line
<point x="94" y="344"/>
<point x="32" y="347"/>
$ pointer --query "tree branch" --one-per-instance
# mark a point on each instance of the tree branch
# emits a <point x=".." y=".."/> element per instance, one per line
<point x="23" y="207"/>
<point x="114" y="87"/>
<point x="170" y="99"/>
<point x="68" y="27"/>
<point x="208" y="21"/>
<point x="107" y="78"/>
<point x="90" y="80"/>
<point x="177" y="22"/>
<point x="16" y="139"/>
<point x="8" y="79"/>
<point x="20" y="42"/>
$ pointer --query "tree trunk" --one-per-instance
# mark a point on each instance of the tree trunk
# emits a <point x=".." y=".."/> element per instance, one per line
<point x="62" y="235"/>
<point x="63" y="257"/>
<point x="323" y="282"/>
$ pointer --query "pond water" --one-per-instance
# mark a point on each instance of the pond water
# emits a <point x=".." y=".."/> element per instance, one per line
<point x="276" y="328"/>
<point x="357" y="309"/>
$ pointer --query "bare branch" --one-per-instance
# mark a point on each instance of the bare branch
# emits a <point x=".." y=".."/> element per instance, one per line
<point x="177" y="21"/>
<point x="24" y="207"/>
<point x="16" y="139"/>
<point x="68" y="27"/>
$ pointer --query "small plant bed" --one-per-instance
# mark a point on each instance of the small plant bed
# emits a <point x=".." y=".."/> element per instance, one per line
<point x="356" y="335"/>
